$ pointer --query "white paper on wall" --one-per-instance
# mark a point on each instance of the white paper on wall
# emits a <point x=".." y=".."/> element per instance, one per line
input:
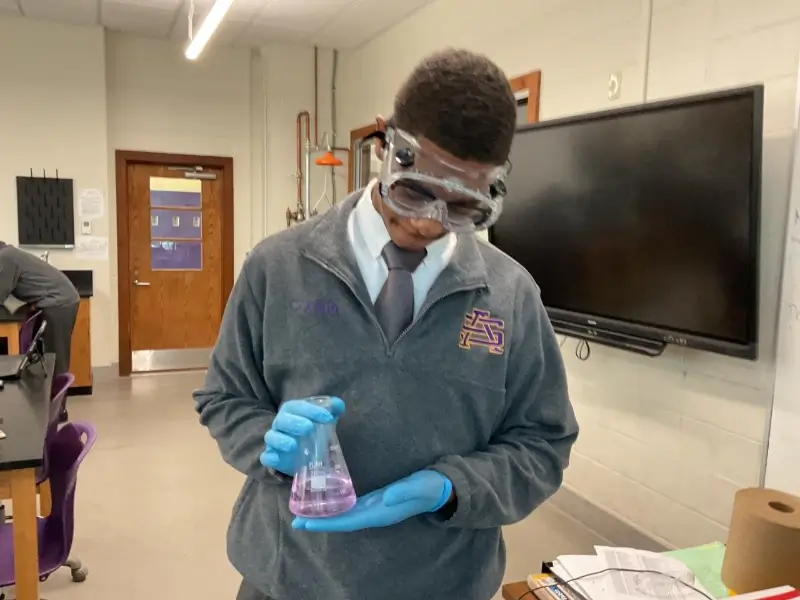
<point x="91" y="204"/>
<point x="91" y="247"/>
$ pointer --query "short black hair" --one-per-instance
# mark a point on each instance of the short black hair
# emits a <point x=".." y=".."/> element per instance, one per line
<point x="462" y="102"/>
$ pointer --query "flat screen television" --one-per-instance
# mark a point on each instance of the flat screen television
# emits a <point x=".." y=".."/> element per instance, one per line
<point x="644" y="221"/>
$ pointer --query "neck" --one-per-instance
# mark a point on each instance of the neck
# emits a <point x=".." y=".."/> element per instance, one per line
<point x="377" y="202"/>
<point x="375" y="195"/>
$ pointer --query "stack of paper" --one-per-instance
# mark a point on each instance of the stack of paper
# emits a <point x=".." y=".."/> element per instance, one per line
<point x="628" y="574"/>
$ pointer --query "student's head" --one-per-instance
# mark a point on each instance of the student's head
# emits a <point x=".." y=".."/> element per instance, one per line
<point x="460" y="109"/>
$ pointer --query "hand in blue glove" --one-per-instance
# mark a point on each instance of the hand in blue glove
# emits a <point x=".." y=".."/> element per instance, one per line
<point x="295" y="419"/>
<point x="423" y="492"/>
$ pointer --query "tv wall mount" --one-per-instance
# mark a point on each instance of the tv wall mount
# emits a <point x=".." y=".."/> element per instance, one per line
<point x="621" y="341"/>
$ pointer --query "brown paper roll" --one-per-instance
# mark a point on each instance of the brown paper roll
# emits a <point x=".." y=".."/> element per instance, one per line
<point x="763" y="549"/>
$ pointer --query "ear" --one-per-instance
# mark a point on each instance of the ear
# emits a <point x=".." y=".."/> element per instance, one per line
<point x="380" y="125"/>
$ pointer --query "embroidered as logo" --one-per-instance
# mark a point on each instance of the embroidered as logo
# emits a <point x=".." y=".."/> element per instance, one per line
<point x="480" y="329"/>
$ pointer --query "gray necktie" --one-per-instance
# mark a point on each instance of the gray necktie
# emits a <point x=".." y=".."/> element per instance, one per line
<point x="395" y="303"/>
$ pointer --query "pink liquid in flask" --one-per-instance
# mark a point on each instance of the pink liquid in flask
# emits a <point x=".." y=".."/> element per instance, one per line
<point x="322" y="485"/>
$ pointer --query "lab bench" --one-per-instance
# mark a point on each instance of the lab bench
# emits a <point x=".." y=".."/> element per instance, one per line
<point x="81" y="353"/>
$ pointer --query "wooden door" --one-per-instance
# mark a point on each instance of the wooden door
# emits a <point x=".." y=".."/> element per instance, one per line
<point x="360" y="158"/>
<point x="528" y="87"/>
<point x="175" y="238"/>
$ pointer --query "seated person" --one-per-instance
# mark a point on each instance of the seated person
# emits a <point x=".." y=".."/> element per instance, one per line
<point x="33" y="281"/>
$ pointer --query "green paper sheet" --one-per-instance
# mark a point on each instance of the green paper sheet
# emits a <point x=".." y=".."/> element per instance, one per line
<point x="706" y="564"/>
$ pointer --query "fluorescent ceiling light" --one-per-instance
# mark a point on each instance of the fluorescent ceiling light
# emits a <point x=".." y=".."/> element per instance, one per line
<point x="207" y="29"/>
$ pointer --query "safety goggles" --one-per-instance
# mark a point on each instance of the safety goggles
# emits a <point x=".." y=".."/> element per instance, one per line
<point x="419" y="184"/>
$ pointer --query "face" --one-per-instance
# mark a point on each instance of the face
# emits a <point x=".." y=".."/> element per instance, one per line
<point x="416" y="233"/>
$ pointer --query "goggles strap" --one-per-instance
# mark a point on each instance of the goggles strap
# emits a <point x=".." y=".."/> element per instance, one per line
<point x="375" y="135"/>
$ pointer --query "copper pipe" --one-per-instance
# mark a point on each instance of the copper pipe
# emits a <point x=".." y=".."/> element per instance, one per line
<point x="306" y="116"/>
<point x="316" y="96"/>
<point x="301" y="116"/>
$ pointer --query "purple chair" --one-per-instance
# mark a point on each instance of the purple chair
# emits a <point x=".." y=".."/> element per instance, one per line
<point x="71" y="445"/>
<point x="58" y="395"/>
<point x="28" y="331"/>
<point x="61" y="384"/>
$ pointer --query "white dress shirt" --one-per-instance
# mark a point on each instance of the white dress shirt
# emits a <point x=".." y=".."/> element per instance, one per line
<point x="368" y="235"/>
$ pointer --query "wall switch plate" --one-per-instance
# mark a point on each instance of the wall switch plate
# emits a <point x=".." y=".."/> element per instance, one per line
<point x="614" y="85"/>
<point x="86" y="227"/>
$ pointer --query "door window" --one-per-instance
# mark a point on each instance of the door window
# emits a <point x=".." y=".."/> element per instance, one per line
<point x="176" y="217"/>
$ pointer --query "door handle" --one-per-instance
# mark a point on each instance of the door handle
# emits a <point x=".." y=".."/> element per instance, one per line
<point x="141" y="283"/>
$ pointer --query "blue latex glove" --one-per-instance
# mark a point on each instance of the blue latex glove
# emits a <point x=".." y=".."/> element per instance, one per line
<point x="295" y="419"/>
<point x="423" y="492"/>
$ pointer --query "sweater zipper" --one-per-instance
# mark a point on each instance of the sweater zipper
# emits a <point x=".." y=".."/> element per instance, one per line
<point x="425" y="308"/>
<point x="428" y="305"/>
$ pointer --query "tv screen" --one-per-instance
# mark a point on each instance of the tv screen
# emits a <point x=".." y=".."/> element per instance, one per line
<point x="644" y="220"/>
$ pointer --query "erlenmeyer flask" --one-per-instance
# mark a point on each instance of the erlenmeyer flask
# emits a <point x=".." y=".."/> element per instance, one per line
<point x="322" y="485"/>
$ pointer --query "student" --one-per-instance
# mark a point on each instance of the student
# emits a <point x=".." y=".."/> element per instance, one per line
<point x="451" y="398"/>
<point x="31" y="280"/>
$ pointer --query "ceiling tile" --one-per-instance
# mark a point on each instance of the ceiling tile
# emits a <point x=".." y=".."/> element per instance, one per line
<point x="164" y="4"/>
<point x="148" y="21"/>
<point x="245" y="10"/>
<point x="362" y="20"/>
<point x="180" y="24"/>
<point x="240" y="10"/>
<point x="76" y="12"/>
<point x="300" y="15"/>
<point x="254" y="23"/>
<point x="260" y="34"/>
<point x="230" y="30"/>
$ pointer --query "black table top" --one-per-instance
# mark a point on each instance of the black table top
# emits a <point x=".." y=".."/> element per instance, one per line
<point x="18" y="316"/>
<point x="25" y="409"/>
<point x="83" y="280"/>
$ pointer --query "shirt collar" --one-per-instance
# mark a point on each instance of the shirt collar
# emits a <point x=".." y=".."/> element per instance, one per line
<point x="370" y="226"/>
<point x="327" y="244"/>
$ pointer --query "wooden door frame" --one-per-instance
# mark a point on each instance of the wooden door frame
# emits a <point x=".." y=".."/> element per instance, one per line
<point x="532" y="82"/>
<point x="355" y="135"/>
<point x="126" y="158"/>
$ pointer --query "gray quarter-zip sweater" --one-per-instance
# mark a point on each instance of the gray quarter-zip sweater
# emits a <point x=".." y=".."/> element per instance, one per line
<point x="475" y="389"/>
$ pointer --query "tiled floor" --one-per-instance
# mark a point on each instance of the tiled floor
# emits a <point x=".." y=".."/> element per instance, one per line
<point x="154" y="498"/>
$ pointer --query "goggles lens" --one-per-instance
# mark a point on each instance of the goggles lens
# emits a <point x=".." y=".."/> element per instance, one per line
<point x="419" y="184"/>
<point x="430" y="199"/>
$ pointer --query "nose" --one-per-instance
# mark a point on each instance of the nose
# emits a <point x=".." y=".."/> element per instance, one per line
<point x="424" y="226"/>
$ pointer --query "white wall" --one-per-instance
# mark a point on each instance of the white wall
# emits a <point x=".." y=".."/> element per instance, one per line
<point x="289" y="72"/>
<point x="53" y="116"/>
<point x="71" y="96"/>
<point x="665" y="442"/>
<point x="159" y="102"/>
